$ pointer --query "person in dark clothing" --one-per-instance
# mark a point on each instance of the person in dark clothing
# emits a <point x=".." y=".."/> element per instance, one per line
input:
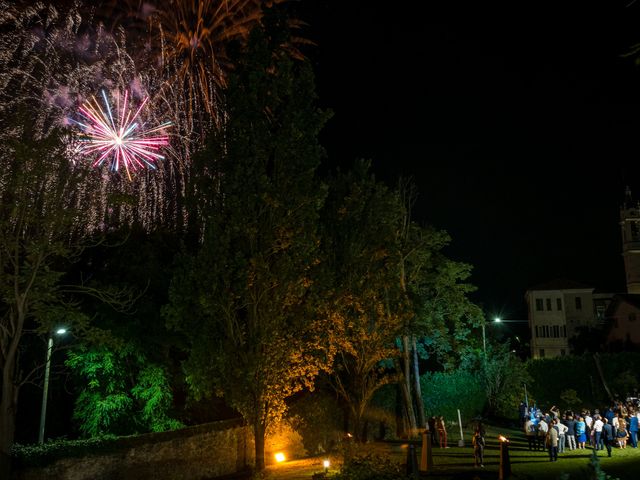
<point x="571" y="432"/>
<point x="478" y="446"/>
<point x="432" y="430"/>
<point x="608" y="435"/>
<point x="522" y="410"/>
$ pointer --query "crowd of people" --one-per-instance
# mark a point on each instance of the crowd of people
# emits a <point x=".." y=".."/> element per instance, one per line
<point x="616" y="427"/>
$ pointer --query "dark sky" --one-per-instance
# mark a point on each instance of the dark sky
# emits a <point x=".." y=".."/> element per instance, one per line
<point x="520" y="125"/>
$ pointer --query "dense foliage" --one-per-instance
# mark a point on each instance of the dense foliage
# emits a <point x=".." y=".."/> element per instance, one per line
<point x="123" y="392"/>
<point x="371" y="467"/>
<point x="581" y="374"/>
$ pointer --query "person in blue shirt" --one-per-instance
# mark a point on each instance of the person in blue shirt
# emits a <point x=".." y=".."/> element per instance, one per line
<point x="581" y="432"/>
<point x="633" y="429"/>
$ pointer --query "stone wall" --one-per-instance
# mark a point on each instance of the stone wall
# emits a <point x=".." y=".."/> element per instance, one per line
<point x="205" y="451"/>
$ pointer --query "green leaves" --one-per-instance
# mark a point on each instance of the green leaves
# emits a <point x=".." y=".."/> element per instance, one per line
<point x="122" y="392"/>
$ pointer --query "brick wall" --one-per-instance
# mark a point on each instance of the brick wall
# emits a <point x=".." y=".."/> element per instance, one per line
<point x="204" y="451"/>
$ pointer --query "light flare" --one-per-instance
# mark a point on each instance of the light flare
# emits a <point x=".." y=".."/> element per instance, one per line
<point x="120" y="137"/>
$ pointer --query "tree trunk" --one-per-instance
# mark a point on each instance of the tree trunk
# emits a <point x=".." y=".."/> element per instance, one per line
<point x="422" y="421"/>
<point x="404" y="384"/>
<point x="8" y="406"/>
<point x="259" y="431"/>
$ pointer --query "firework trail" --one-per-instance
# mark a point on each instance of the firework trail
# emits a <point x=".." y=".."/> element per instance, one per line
<point x="53" y="61"/>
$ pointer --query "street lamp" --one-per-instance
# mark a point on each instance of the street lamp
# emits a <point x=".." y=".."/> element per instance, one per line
<point x="484" y="342"/>
<point x="45" y="390"/>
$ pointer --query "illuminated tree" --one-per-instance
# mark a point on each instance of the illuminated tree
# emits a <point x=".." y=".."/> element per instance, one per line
<point x="359" y="243"/>
<point x="400" y="297"/>
<point x="248" y="301"/>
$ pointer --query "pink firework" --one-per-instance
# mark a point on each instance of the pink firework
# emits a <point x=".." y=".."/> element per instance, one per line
<point x="121" y="140"/>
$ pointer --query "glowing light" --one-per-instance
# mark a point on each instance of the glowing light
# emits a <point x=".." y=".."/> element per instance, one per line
<point x="280" y="457"/>
<point x="326" y="464"/>
<point x="61" y="331"/>
<point x="120" y="137"/>
<point x="503" y="439"/>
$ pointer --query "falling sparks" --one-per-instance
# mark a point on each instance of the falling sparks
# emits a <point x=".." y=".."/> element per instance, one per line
<point x="120" y="137"/>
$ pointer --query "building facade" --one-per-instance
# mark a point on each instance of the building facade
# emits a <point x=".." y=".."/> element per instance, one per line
<point x="556" y="310"/>
<point x="630" y="226"/>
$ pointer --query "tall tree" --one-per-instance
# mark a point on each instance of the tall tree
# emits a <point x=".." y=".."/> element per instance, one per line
<point x="400" y="296"/>
<point x="37" y="217"/>
<point x="247" y="300"/>
<point x="359" y="241"/>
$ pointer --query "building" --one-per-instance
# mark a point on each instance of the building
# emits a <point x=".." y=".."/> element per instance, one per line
<point x="630" y="226"/>
<point x="623" y="318"/>
<point x="556" y="310"/>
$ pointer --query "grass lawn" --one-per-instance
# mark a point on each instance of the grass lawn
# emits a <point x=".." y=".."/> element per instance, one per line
<point x="457" y="462"/>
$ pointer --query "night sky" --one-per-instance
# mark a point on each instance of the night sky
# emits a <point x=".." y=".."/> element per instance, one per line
<point x="519" y="124"/>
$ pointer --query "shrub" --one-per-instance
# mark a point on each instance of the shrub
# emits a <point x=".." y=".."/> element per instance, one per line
<point x="371" y="467"/>
<point x="316" y="417"/>
<point x="444" y="392"/>
<point x="36" y="455"/>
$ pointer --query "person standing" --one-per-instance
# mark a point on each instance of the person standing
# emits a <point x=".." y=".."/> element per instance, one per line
<point x="478" y="446"/>
<point x="634" y="423"/>
<point x="597" y="428"/>
<point x="581" y="432"/>
<point x="543" y="429"/>
<point x="442" y="432"/>
<point x="552" y="442"/>
<point x="608" y="435"/>
<point x="530" y="433"/>
<point x="571" y="432"/>
<point x="562" y="433"/>
<point x="432" y="429"/>
<point x="622" y="433"/>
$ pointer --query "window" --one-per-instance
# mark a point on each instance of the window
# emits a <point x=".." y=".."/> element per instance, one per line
<point x="564" y="330"/>
<point x="559" y="304"/>
<point x="542" y="353"/>
<point x="578" y="303"/>
<point x="539" y="304"/>
<point x="556" y="331"/>
<point x="548" y="304"/>
<point x="632" y="317"/>
<point x="546" y="331"/>
<point x="562" y="352"/>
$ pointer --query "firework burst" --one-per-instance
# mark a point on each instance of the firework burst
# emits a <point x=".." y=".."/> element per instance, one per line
<point x="119" y="137"/>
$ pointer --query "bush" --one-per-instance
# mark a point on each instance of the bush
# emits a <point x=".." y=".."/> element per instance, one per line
<point x="445" y="392"/>
<point x="316" y="417"/>
<point x="371" y="467"/>
<point x="37" y="455"/>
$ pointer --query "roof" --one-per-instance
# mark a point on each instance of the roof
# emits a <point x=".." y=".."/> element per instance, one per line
<point x="560" y="284"/>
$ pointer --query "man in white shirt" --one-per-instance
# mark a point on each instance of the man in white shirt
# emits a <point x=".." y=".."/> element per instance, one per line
<point x="562" y="430"/>
<point x="597" y="427"/>
<point x="543" y="428"/>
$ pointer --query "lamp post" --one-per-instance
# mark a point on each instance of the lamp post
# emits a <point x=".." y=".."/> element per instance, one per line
<point x="45" y="390"/>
